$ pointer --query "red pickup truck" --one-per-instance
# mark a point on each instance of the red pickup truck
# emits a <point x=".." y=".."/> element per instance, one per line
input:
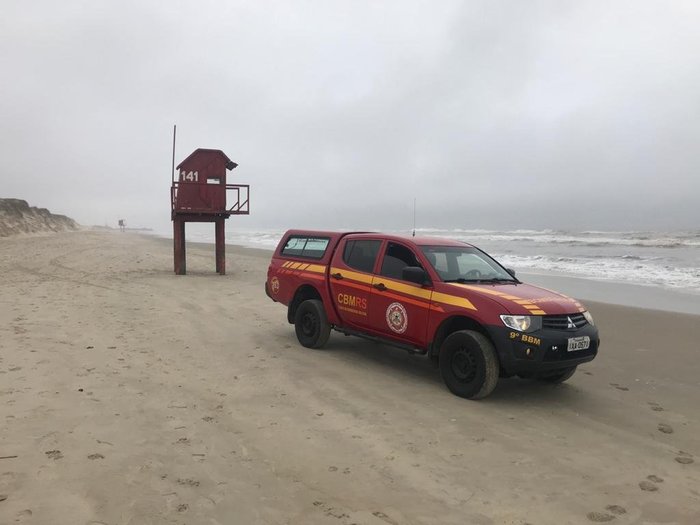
<point x="438" y="297"/>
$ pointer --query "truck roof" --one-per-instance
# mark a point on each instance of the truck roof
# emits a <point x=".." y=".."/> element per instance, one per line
<point x="420" y="241"/>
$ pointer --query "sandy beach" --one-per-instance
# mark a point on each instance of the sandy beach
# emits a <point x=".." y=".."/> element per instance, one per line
<point x="129" y="395"/>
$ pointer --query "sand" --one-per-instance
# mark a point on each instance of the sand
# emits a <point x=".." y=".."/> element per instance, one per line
<point x="129" y="395"/>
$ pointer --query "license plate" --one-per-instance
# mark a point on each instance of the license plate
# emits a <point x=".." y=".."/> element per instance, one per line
<point x="578" y="343"/>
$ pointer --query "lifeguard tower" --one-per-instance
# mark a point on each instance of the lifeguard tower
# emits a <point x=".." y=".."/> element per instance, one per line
<point x="199" y="195"/>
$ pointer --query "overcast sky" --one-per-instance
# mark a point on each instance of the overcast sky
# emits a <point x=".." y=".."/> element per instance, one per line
<point x="511" y="114"/>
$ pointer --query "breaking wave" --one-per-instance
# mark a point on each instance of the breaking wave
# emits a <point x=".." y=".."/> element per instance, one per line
<point x="669" y="260"/>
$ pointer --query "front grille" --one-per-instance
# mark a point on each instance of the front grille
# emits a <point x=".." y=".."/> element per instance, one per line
<point x="564" y="322"/>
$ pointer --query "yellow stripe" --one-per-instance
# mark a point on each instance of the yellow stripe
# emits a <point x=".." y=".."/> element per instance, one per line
<point x="408" y="289"/>
<point x="415" y="291"/>
<point x="453" y="300"/>
<point x="309" y="267"/>
<point x="518" y="300"/>
<point x="356" y="276"/>
<point x="318" y="268"/>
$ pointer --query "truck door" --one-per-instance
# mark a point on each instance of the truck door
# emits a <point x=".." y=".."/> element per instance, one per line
<point x="351" y="279"/>
<point x="399" y="309"/>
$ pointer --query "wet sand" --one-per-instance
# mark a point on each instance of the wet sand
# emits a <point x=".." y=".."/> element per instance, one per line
<point x="129" y="395"/>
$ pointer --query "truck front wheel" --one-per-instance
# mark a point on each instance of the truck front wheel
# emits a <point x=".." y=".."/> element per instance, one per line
<point x="311" y="324"/>
<point x="468" y="364"/>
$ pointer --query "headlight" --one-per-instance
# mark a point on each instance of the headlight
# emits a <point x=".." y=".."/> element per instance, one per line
<point x="589" y="317"/>
<point x="522" y="323"/>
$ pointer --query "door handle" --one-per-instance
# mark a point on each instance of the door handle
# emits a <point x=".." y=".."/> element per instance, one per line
<point x="380" y="286"/>
<point x="337" y="275"/>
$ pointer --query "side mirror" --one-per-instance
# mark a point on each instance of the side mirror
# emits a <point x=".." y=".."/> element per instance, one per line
<point x="415" y="274"/>
<point x="511" y="271"/>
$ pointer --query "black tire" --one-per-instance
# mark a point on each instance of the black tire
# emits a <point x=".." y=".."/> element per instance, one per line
<point x="558" y="377"/>
<point x="468" y="364"/>
<point x="311" y="324"/>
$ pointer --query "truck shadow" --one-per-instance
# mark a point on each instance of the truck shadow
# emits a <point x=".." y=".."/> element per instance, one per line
<point x="420" y="371"/>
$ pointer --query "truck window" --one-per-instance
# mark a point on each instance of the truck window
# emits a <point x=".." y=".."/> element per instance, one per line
<point x="361" y="254"/>
<point x="396" y="258"/>
<point x="306" y="247"/>
<point x="467" y="262"/>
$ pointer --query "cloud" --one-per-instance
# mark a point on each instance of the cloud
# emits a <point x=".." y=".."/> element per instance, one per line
<point x="503" y="114"/>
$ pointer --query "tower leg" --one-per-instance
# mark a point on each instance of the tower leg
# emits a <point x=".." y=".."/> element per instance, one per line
<point x="220" y="247"/>
<point x="179" y="247"/>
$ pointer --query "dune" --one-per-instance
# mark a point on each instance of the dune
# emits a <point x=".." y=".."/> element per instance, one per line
<point x="17" y="217"/>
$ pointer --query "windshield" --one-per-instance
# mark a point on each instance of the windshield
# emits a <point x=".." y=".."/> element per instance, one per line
<point x="465" y="264"/>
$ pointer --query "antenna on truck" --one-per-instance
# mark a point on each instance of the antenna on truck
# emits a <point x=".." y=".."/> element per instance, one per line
<point x="414" y="216"/>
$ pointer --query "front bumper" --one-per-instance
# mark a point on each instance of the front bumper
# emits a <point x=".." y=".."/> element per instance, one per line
<point x="542" y="351"/>
<point x="267" y="292"/>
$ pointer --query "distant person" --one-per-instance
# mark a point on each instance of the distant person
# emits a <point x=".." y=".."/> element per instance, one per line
<point x="122" y="225"/>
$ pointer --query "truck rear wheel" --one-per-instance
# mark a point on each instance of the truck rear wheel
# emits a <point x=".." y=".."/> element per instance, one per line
<point x="559" y="376"/>
<point x="468" y="364"/>
<point x="311" y="324"/>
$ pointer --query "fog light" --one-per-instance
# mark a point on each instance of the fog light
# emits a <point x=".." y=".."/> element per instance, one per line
<point x="525" y="353"/>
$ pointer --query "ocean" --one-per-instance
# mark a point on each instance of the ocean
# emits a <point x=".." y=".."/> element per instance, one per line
<point x="668" y="260"/>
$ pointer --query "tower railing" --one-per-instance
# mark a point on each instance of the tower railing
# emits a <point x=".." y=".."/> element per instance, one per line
<point x="242" y="196"/>
<point x="237" y="194"/>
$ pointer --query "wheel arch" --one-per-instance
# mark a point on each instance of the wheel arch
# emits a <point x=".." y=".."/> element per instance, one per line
<point x="304" y="292"/>
<point x="454" y="324"/>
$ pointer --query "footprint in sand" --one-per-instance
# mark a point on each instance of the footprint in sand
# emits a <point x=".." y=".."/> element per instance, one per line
<point x="623" y="388"/>
<point x="600" y="517"/>
<point x="684" y="458"/>
<point x="188" y="482"/>
<point x="664" y="428"/>
<point x="655" y="478"/>
<point x="616" y="509"/>
<point x="384" y="517"/>
<point x="54" y="454"/>
<point x="96" y="456"/>
<point x="648" y="486"/>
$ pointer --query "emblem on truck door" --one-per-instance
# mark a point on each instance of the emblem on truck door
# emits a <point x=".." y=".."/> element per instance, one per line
<point x="397" y="318"/>
<point x="275" y="285"/>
